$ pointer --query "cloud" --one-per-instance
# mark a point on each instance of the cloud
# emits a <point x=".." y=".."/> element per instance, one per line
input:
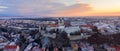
<point x="1" y="10"/>
<point x="2" y="7"/>
<point x="38" y="7"/>
<point x="49" y="7"/>
<point x="74" y="10"/>
<point x="43" y="8"/>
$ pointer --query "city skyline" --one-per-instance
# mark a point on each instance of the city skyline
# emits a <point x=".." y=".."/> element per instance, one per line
<point x="59" y="8"/>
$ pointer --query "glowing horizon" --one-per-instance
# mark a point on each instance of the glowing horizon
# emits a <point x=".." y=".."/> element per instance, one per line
<point x="59" y="8"/>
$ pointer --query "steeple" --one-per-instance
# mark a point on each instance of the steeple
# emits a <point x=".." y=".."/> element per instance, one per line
<point x="61" y="21"/>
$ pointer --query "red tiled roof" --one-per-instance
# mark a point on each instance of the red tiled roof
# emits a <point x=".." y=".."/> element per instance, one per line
<point x="10" y="47"/>
<point x="52" y="25"/>
<point x="117" y="48"/>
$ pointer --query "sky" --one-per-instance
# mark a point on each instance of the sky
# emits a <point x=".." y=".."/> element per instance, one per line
<point x="57" y="8"/>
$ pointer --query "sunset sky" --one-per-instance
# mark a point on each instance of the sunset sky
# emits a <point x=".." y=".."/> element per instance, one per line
<point x="59" y="7"/>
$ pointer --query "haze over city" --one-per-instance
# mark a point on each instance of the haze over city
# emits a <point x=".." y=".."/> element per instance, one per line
<point x="59" y="25"/>
<point x="59" y="8"/>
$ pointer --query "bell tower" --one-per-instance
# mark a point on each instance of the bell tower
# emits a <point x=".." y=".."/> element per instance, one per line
<point x="61" y="21"/>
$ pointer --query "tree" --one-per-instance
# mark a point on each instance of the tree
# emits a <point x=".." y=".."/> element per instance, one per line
<point x="63" y="38"/>
<point x="98" y="39"/>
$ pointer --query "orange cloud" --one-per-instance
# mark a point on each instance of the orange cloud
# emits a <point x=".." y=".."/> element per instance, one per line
<point x="83" y="10"/>
<point x="59" y="9"/>
<point x="74" y="10"/>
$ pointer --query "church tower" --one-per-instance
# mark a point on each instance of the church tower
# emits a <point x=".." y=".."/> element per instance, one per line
<point x="61" y="21"/>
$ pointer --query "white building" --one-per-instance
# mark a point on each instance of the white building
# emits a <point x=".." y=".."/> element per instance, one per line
<point x="71" y="29"/>
<point x="106" y="28"/>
